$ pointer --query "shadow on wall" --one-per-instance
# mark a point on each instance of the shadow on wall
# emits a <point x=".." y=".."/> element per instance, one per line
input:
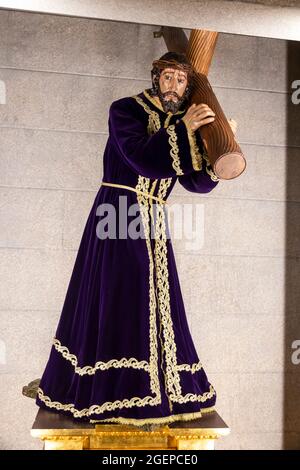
<point x="292" y="271"/>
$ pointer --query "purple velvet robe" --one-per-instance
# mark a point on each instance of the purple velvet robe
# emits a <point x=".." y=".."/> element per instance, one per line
<point x="123" y="351"/>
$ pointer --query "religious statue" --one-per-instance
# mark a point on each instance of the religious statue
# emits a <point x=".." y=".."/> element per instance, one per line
<point x="123" y="351"/>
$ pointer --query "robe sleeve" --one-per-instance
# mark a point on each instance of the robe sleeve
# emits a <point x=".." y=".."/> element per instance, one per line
<point x="202" y="181"/>
<point x="166" y="153"/>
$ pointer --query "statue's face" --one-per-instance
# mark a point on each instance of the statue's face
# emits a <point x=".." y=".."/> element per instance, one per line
<point x="172" y="85"/>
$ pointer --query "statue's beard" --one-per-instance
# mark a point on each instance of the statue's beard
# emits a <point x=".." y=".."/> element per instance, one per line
<point x="170" y="106"/>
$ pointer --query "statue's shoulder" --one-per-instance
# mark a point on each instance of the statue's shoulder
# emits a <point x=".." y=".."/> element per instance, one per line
<point x="134" y="106"/>
<point x="127" y="103"/>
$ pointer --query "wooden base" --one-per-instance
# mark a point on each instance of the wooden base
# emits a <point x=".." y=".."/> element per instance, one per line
<point x="58" y="432"/>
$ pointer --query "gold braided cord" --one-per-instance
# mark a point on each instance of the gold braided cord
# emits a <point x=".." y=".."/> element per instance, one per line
<point x="116" y="185"/>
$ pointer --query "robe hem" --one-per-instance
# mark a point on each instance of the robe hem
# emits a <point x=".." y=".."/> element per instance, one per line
<point x="161" y="420"/>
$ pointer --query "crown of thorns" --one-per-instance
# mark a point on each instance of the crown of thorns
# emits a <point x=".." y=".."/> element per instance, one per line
<point x="162" y="64"/>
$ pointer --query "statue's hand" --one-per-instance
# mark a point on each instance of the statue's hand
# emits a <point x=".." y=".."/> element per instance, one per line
<point x="198" y="115"/>
<point x="233" y="124"/>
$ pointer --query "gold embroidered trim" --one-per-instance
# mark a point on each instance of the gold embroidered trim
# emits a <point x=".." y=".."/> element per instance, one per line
<point x="162" y="420"/>
<point x="192" y="397"/>
<point x="97" y="409"/>
<point x="90" y="370"/>
<point x="154" y="125"/>
<point x="190" y="368"/>
<point x="166" y="182"/>
<point x="143" y="185"/>
<point x="163" y="187"/>
<point x="151" y="200"/>
<point x="162" y="274"/>
<point x="124" y="362"/>
<point x="195" y="153"/>
<point x="209" y="169"/>
<point x="107" y="406"/>
<point x="152" y="191"/>
<point x="168" y="118"/>
<point x="153" y="120"/>
<point x="174" y="149"/>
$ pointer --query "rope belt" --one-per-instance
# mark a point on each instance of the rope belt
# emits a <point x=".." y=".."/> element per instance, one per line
<point x="116" y="185"/>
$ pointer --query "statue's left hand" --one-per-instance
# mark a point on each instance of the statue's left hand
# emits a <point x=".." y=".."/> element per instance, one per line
<point x="233" y="124"/>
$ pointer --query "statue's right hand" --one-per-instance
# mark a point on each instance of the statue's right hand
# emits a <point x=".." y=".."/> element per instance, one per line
<point x="198" y="115"/>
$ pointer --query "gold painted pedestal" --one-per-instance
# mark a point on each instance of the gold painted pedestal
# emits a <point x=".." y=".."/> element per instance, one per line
<point x="58" y="432"/>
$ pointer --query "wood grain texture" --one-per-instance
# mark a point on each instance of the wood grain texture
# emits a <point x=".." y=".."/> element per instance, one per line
<point x="224" y="153"/>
